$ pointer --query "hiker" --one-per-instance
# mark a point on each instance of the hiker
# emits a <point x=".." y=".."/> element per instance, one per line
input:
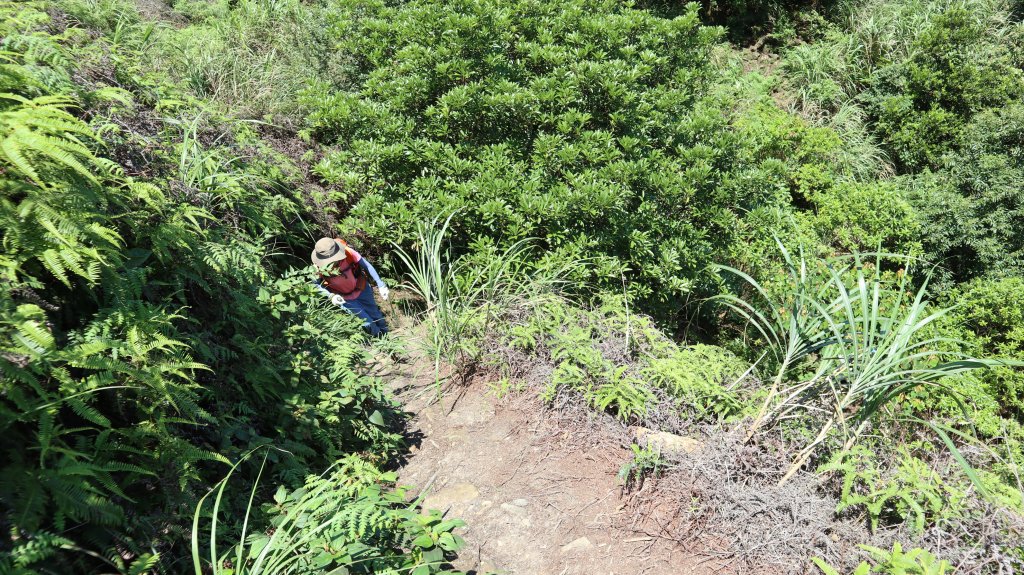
<point x="343" y="279"/>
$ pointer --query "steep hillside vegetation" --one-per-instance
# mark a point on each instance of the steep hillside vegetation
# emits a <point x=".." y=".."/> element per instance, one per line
<point x="808" y="251"/>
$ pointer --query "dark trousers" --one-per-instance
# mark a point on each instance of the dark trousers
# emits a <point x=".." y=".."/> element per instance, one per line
<point x="366" y="308"/>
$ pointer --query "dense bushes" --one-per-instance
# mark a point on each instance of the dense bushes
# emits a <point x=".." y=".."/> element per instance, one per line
<point x="150" y="330"/>
<point x="939" y="86"/>
<point x="921" y="104"/>
<point x="616" y="361"/>
<point x="153" y="329"/>
<point x="605" y="131"/>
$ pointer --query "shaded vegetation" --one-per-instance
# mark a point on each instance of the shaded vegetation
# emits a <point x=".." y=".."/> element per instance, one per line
<point x="586" y="196"/>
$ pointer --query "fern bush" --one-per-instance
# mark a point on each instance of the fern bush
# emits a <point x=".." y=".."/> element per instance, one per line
<point x="617" y="361"/>
<point x="913" y="492"/>
<point x="348" y="519"/>
<point x="708" y="382"/>
<point x="151" y="331"/>
<point x="914" y="561"/>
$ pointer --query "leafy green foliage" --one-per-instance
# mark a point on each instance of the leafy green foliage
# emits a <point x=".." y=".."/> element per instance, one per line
<point x="703" y="379"/>
<point x="864" y="217"/>
<point x="912" y="492"/>
<point x="848" y="336"/>
<point x="617" y="361"/>
<point x="590" y="352"/>
<point x="916" y="561"/>
<point x="936" y="85"/>
<point x="599" y="129"/>
<point x="148" y="334"/>
<point x="970" y="211"/>
<point x="346" y="519"/>
<point x="153" y="326"/>
<point x="993" y="312"/>
<point x="645" y="462"/>
<point x="952" y="74"/>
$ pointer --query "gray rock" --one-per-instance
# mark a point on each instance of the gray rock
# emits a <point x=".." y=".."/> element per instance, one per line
<point x="666" y="443"/>
<point x="445" y="499"/>
<point x="581" y="544"/>
<point x="513" y="510"/>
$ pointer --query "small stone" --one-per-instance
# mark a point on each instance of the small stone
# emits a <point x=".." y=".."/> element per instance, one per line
<point x="667" y="443"/>
<point x="520" y="502"/>
<point x="581" y="544"/>
<point x="513" y="510"/>
<point x="445" y="498"/>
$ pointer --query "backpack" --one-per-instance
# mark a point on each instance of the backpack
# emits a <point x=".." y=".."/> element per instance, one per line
<point x="348" y="267"/>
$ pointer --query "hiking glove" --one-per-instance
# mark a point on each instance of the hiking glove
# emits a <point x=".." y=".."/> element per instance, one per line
<point x="337" y="300"/>
<point x="384" y="292"/>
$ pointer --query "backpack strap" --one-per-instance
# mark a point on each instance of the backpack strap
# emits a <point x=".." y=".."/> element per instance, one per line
<point x="357" y="270"/>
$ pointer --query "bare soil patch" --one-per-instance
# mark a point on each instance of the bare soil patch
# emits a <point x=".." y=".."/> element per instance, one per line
<point x="539" y="491"/>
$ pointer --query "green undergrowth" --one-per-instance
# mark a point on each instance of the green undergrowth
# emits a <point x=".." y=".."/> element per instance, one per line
<point x="618" y="361"/>
<point x="157" y="325"/>
<point x="935" y="86"/>
<point x="636" y="142"/>
<point x="570" y="189"/>
<point x="894" y="562"/>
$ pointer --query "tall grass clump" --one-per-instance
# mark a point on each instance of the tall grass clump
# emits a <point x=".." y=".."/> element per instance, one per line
<point x="849" y="339"/>
<point x="252" y="57"/>
<point x="461" y="294"/>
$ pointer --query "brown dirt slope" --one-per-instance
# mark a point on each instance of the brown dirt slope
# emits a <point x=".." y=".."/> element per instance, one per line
<point x="539" y="492"/>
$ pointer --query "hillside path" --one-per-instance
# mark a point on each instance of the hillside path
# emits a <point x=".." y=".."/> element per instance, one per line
<point x="539" y="494"/>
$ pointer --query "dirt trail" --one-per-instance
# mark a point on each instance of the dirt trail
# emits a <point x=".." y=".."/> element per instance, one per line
<point x="540" y="495"/>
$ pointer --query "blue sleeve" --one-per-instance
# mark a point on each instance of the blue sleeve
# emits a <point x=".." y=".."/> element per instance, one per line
<point x="373" y="273"/>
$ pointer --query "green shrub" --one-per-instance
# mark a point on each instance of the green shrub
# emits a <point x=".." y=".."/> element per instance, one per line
<point x="602" y="130"/>
<point x="594" y="352"/>
<point x="348" y="519"/>
<point x="915" y="561"/>
<point x="953" y="72"/>
<point x="703" y="379"/>
<point x="150" y="333"/>
<point x="971" y="210"/>
<point x="993" y="312"/>
<point x="936" y="86"/>
<point x="913" y="492"/>
<point x="865" y="217"/>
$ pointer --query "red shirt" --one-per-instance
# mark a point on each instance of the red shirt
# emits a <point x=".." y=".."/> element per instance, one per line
<point x="347" y="279"/>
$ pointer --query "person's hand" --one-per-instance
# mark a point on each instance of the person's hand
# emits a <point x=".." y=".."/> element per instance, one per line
<point x="384" y="292"/>
<point x="337" y="299"/>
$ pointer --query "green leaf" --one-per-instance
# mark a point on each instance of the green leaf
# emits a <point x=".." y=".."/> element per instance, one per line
<point x="447" y="542"/>
<point x="377" y="419"/>
<point x="425" y="541"/>
<point x="825" y="567"/>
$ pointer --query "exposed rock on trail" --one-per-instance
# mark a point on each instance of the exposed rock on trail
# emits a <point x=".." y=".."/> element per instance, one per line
<point x="540" y="495"/>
